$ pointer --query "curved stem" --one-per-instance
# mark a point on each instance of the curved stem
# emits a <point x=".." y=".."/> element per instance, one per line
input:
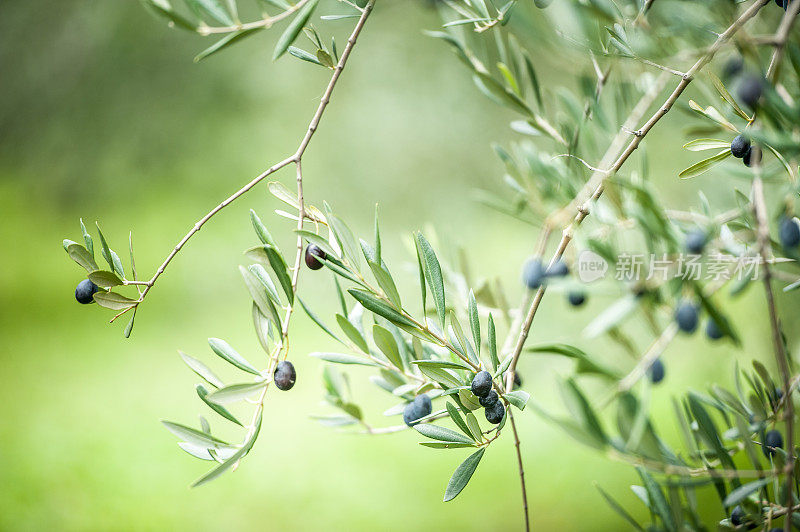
<point x="294" y="158"/>
<point x="266" y="22"/>
<point x="521" y="470"/>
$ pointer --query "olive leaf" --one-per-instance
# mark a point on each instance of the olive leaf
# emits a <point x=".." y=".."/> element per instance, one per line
<point x="705" y="165"/>
<point x="236" y="392"/>
<point x="202" y="370"/>
<point x="435" y="432"/>
<point x="462" y="475"/>
<point x="227" y="353"/>
<point x="294" y="28"/>
<point x="433" y="274"/>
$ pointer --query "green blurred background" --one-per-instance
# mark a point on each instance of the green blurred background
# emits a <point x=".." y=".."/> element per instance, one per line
<point x="104" y="116"/>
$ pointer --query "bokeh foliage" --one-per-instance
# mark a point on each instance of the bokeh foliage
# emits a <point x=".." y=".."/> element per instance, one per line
<point x="82" y="181"/>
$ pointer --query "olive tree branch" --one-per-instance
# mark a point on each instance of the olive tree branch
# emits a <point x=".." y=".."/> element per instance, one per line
<point x="759" y="207"/>
<point x="265" y="22"/>
<point x="598" y="179"/>
<point x="292" y="159"/>
<point x="297" y="160"/>
<point x="780" y="38"/>
<point x="764" y="249"/>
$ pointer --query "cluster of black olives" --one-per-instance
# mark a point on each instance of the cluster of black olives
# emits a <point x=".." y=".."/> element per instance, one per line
<point x="687" y="316"/>
<point x="534" y="275"/>
<point x="750" y="90"/>
<point x="487" y="397"/>
<point x="741" y="148"/>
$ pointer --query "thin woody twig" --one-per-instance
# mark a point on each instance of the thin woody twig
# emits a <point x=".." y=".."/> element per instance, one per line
<point x="521" y="470"/>
<point x="764" y="249"/>
<point x="294" y="158"/>
<point x="265" y="22"/>
<point x="759" y="207"/>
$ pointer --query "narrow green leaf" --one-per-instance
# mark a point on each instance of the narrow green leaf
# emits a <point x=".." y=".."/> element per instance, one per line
<point x="194" y="436"/>
<point x="211" y="8"/>
<point x="445" y="444"/>
<point x="164" y="9"/>
<point x="435" y="432"/>
<point x="422" y="288"/>
<point x="325" y="58"/>
<point x="352" y="332"/>
<point x="233" y="460"/>
<point x="263" y="328"/>
<point x="305" y="56"/>
<point x="226" y="41"/>
<point x="388" y="346"/>
<point x="87" y="238"/>
<point x="342" y="358"/>
<point x="261" y="230"/>
<point x="293" y="29"/>
<point x="281" y="271"/>
<point x="260" y="273"/>
<point x="433" y="275"/>
<point x="227" y="353"/>
<point x="726" y="95"/>
<point x="219" y="409"/>
<point x="104" y="249"/>
<point x="503" y="365"/>
<point x="117" y="264"/>
<point x="129" y="326"/>
<point x="474" y="426"/>
<point x="705" y="165"/>
<point x="657" y="500"/>
<point x="459" y="332"/>
<point x="474" y="322"/>
<point x="619" y="509"/>
<point x="457" y="419"/>
<point x="492" y="340"/>
<point x="377" y="234"/>
<point x="706" y="144"/>
<point x="462" y="475"/>
<point x="202" y="370"/>
<point x="379" y="307"/>
<point x="585" y="411"/>
<point x="440" y="364"/>
<point x="318" y="240"/>
<point x="386" y="283"/>
<point x="236" y="392"/>
<point x="80" y="255"/>
<point x="745" y="490"/>
<point x="585" y="362"/>
<point x="447" y="379"/>
<point x="611" y="316"/>
<point x="261" y="297"/>
<point x="113" y="301"/>
<point x="518" y="398"/>
<point x="316" y="320"/>
<point x="347" y="242"/>
<point x="104" y="279"/>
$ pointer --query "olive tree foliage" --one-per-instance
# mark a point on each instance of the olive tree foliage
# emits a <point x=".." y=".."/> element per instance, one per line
<point x="578" y="176"/>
